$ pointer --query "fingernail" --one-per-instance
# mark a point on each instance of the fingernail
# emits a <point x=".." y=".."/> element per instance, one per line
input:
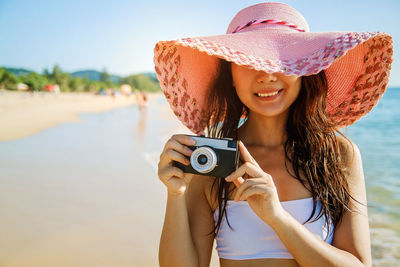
<point x="227" y="178"/>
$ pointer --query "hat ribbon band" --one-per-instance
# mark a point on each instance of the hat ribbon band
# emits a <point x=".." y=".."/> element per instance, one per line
<point x="268" y="21"/>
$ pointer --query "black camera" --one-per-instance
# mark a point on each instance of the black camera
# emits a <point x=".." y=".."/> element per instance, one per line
<point x="212" y="157"/>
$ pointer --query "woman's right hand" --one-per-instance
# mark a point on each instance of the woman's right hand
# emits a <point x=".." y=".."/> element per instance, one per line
<point x="174" y="150"/>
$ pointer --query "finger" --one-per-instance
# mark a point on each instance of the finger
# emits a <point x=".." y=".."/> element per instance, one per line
<point x="238" y="181"/>
<point x="172" y="155"/>
<point x="251" y="191"/>
<point x="180" y="143"/>
<point x="247" y="157"/>
<point x="246" y="184"/>
<point x="184" y="139"/>
<point x="246" y="168"/>
<point x="167" y="173"/>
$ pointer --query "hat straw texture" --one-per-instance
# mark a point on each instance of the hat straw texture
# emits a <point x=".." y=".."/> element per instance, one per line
<point x="357" y="64"/>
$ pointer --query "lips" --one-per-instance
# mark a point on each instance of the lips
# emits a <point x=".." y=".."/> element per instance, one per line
<point x="268" y="91"/>
<point x="269" y="98"/>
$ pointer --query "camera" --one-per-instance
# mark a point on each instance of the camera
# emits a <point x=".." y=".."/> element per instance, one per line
<point x="212" y="157"/>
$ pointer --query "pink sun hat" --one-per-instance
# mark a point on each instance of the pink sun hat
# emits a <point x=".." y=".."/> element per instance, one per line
<point x="274" y="37"/>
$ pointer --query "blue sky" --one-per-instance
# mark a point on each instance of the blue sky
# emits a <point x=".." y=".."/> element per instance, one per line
<point x="120" y="35"/>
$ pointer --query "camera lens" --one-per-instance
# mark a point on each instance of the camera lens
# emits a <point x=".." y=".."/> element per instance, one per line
<point x="202" y="159"/>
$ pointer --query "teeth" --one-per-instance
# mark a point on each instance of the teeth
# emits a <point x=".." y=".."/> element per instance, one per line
<point x="270" y="94"/>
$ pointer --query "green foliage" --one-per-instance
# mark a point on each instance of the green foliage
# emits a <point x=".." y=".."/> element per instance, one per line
<point x="68" y="83"/>
<point x="7" y="79"/>
<point x="33" y="80"/>
<point x="141" y="82"/>
<point x="76" y="84"/>
<point x="105" y="77"/>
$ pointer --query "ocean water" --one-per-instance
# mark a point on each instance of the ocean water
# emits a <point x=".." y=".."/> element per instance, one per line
<point x="92" y="187"/>
<point x="378" y="137"/>
<point x="85" y="193"/>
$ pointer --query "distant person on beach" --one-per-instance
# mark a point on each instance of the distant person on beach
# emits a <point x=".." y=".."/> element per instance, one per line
<point x="298" y="196"/>
<point x="141" y="99"/>
<point x="145" y="99"/>
<point x="126" y="90"/>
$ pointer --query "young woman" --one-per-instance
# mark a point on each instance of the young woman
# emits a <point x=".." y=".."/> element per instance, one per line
<point x="298" y="196"/>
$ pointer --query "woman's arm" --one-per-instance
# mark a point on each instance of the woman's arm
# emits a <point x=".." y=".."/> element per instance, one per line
<point x="187" y="220"/>
<point x="176" y="244"/>
<point x="351" y="243"/>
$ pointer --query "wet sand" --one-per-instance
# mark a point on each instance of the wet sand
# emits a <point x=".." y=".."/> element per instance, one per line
<point x="23" y="113"/>
<point x="86" y="193"/>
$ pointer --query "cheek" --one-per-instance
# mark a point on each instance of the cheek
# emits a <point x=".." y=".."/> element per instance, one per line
<point x="239" y="93"/>
<point x="241" y="85"/>
<point x="241" y="77"/>
<point x="295" y="86"/>
<point x="243" y="96"/>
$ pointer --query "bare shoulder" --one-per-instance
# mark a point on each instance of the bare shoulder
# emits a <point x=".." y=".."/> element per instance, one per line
<point x="349" y="150"/>
<point x="206" y="186"/>
<point x="353" y="164"/>
<point x="202" y="184"/>
<point x="200" y="216"/>
<point x="351" y="156"/>
<point x="352" y="233"/>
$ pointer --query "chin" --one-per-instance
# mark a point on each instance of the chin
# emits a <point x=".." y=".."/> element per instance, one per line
<point x="271" y="110"/>
<point x="268" y="112"/>
<point x="271" y="114"/>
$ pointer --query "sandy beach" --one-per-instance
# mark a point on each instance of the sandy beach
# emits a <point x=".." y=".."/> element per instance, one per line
<point x="24" y="114"/>
<point x="86" y="192"/>
<point x="83" y="193"/>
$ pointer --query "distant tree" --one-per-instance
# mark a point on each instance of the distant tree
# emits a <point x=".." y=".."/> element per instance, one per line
<point x="105" y="77"/>
<point x="7" y="79"/>
<point x="34" y="80"/>
<point x="87" y="84"/>
<point x="76" y="84"/>
<point x="47" y="74"/>
<point x="141" y="82"/>
<point x="57" y="76"/>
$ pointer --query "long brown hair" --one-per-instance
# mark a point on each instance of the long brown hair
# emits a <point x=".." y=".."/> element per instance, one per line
<point x="311" y="145"/>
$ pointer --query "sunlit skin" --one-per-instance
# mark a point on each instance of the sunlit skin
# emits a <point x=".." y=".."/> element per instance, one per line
<point x="263" y="180"/>
<point x="266" y="123"/>
<point x="259" y="182"/>
<point x="248" y="81"/>
<point x="263" y="131"/>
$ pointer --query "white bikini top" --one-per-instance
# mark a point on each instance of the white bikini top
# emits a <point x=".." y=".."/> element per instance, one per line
<point x="252" y="238"/>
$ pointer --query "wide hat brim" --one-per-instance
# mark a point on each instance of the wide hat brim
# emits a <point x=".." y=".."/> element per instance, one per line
<point x="357" y="66"/>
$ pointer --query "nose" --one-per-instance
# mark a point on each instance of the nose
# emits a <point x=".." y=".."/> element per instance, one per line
<point x="264" y="77"/>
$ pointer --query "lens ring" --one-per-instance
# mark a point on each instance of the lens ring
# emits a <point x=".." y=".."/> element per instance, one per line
<point x="211" y="159"/>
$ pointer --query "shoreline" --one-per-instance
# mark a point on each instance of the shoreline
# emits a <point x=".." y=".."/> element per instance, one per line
<point x="24" y="114"/>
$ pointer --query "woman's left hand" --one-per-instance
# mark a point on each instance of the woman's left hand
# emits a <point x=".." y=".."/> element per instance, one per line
<point x="257" y="187"/>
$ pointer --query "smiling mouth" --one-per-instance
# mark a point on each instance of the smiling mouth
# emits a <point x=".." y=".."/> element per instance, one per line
<point x="268" y="94"/>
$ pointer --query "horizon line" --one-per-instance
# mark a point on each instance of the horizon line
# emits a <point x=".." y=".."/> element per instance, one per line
<point x="389" y="85"/>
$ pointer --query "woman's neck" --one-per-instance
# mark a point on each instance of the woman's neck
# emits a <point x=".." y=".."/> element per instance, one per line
<point x="266" y="132"/>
